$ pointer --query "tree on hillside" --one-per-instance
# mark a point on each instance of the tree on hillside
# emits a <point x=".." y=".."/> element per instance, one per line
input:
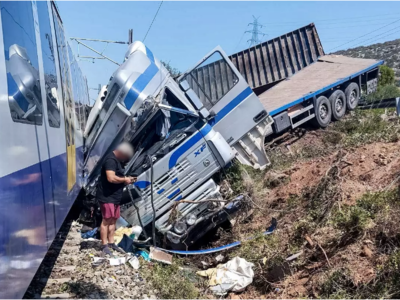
<point x="387" y="76"/>
<point x="174" y="71"/>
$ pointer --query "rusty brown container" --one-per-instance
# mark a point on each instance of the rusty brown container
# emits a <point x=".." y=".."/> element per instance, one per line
<point x="274" y="60"/>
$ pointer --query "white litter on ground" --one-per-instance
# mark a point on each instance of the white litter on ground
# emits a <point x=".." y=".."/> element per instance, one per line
<point x="234" y="276"/>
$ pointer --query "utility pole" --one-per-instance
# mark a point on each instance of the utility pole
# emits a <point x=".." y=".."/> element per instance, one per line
<point x="255" y="32"/>
<point x="130" y="37"/>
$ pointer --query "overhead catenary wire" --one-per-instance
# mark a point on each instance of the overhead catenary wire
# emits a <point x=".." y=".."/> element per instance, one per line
<point x="155" y="16"/>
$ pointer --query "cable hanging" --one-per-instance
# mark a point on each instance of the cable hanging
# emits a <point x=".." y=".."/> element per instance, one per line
<point x="155" y="16"/>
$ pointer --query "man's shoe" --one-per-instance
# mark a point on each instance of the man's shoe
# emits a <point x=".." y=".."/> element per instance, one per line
<point x="106" y="250"/>
<point x="116" y="248"/>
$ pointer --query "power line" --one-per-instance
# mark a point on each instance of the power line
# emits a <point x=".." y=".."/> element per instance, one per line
<point x="374" y="37"/>
<point x="355" y="26"/>
<point x="234" y="50"/>
<point x="332" y="26"/>
<point x="323" y="20"/>
<point x="365" y="35"/>
<point x="356" y="21"/>
<point x="155" y="16"/>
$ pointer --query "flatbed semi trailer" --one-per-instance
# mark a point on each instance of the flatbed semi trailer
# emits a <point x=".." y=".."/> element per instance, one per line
<point x="333" y="79"/>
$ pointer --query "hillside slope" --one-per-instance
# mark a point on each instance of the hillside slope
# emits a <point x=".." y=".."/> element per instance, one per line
<point x="388" y="51"/>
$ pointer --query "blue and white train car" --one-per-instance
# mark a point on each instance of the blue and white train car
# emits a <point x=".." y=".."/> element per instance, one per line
<point x="42" y="99"/>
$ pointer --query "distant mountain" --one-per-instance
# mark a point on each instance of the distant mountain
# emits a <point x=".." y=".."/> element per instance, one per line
<point x="388" y="51"/>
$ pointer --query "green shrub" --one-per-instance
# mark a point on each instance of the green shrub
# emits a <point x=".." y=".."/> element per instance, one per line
<point x="387" y="76"/>
<point x="367" y="127"/>
<point x="384" y="92"/>
<point x="172" y="282"/>
<point x="355" y="218"/>
<point x="351" y="219"/>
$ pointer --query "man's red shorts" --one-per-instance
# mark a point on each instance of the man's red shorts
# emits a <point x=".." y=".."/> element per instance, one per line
<point x="110" y="210"/>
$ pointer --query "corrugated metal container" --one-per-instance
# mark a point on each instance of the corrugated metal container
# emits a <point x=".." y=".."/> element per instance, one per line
<point x="276" y="59"/>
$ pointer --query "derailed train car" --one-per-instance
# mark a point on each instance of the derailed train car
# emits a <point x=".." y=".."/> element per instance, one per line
<point x="43" y="96"/>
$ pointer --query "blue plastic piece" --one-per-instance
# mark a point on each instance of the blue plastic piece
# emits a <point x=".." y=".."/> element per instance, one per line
<point x="89" y="234"/>
<point x="143" y="254"/>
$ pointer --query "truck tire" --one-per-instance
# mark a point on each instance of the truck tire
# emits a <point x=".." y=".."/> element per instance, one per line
<point x="323" y="112"/>
<point x="352" y="93"/>
<point x="338" y="102"/>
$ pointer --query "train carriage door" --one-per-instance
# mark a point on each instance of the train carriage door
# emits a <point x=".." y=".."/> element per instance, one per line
<point x="69" y="110"/>
<point x="222" y="90"/>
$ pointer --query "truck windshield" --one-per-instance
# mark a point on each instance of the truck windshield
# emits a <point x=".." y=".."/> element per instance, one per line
<point x="159" y="132"/>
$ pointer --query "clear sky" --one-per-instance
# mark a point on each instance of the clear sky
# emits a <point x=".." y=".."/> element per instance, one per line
<point x="184" y="32"/>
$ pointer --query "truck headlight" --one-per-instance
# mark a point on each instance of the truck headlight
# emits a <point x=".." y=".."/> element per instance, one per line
<point x="180" y="227"/>
<point x="191" y="219"/>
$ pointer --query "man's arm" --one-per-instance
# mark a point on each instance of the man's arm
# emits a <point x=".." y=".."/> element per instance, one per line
<point x="112" y="178"/>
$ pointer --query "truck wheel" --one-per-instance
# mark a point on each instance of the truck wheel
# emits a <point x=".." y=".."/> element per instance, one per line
<point x="323" y="112"/>
<point x="338" y="102"/>
<point x="352" y="95"/>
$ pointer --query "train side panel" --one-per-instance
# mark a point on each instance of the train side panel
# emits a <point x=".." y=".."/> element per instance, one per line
<point x="36" y="191"/>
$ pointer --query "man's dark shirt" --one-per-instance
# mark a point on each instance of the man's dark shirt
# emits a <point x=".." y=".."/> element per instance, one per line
<point x="108" y="192"/>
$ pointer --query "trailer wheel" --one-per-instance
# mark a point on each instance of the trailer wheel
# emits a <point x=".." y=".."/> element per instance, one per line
<point x="338" y="102"/>
<point x="352" y="95"/>
<point x="323" y="112"/>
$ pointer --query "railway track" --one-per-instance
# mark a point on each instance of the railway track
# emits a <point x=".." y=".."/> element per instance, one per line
<point x="67" y="272"/>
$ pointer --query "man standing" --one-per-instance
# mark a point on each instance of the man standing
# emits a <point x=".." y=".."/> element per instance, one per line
<point x="109" y="193"/>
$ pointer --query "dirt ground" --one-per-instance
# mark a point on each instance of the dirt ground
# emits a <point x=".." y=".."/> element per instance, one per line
<point x="368" y="168"/>
<point x="371" y="167"/>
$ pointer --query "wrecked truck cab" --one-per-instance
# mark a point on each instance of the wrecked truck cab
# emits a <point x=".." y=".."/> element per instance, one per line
<point x="182" y="135"/>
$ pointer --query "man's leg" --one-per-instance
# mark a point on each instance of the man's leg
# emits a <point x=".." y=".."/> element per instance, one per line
<point x="111" y="230"/>
<point x="105" y="223"/>
<point x="104" y="227"/>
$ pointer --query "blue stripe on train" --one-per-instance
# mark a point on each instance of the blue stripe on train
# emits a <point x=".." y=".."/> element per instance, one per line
<point x="28" y="197"/>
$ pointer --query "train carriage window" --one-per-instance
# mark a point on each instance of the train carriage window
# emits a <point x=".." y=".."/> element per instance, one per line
<point x="22" y="65"/>
<point x="50" y="77"/>
<point x="212" y="79"/>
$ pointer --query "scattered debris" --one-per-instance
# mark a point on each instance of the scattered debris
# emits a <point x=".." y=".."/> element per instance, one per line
<point x="294" y="256"/>
<point x="219" y="258"/>
<point x="134" y="262"/>
<point x="117" y="261"/>
<point x="205" y="264"/>
<point x="161" y="256"/>
<point x="89" y="234"/>
<point x="309" y="240"/>
<point x="82" y="272"/>
<point x="234" y="276"/>
<point x="119" y="234"/>
<point x="143" y="254"/>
